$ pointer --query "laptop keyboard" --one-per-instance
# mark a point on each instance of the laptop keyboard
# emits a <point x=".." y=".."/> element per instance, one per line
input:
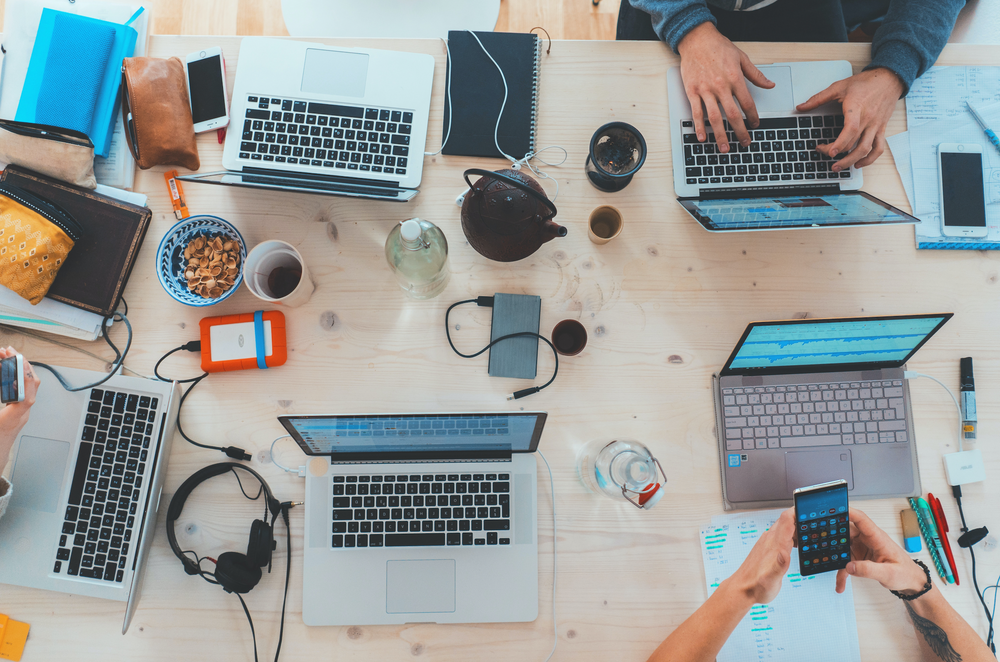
<point x="335" y="136"/>
<point x="814" y="415"/>
<point x="421" y="510"/>
<point x="107" y="481"/>
<point x="782" y="149"/>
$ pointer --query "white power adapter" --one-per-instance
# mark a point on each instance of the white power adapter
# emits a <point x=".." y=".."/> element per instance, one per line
<point x="964" y="467"/>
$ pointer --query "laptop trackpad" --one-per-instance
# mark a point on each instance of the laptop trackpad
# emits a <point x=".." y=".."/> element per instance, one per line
<point x="413" y="587"/>
<point x="804" y="468"/>
<point x="778" y="99"/>
<point x="38" y="473"/>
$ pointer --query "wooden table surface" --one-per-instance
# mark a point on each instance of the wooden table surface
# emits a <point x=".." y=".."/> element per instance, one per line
<point x="663" y="305"/>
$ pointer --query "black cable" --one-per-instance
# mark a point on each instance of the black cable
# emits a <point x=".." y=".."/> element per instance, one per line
<point x="288" y="571"/>
<point x="195" y="346"/>
<point x="249" y="620"/>
<point x="126" y="306"/>
<point x="488" y="302"/>
<point x="115" y="365"/>
<point x="957" y="491"/>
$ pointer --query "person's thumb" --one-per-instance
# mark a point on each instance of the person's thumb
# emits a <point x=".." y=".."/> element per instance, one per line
<point x="753" y="74"/>
<point x="880" y="572"/>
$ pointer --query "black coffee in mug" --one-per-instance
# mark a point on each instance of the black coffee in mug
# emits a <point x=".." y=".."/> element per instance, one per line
<point x="282" y="281"/>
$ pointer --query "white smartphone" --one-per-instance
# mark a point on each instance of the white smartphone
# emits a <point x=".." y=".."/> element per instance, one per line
<point x="12" y="379"/>
<point x="206" y="78"/>
<point x="963" y="194"/>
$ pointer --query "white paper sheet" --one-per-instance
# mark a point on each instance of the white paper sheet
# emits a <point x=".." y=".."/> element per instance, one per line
<point x="807" y="616"/>
<point x="899" y="144"/>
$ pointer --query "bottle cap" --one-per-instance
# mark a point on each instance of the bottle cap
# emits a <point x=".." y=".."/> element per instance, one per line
<point x="410" y="230"/>
<point x="651" y="495"/>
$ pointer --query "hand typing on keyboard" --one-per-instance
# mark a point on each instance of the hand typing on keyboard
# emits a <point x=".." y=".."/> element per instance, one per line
<point x="14" y="415"/>
<point x="868" y="99"/>
<point x="713" y="71"/>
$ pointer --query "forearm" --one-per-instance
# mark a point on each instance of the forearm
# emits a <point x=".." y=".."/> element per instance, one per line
<point x="912" y="35"/>
<point x="942" y="633"/>
<point x="673" y="19"/>
<point x="701" y="636"/>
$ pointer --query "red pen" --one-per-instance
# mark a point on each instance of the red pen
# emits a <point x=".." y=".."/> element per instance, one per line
<point x="942" y="525"/>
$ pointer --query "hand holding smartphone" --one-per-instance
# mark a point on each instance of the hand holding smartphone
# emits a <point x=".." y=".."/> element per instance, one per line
<point x="12" y="379"/>
<point x="206" y="78"/>
<point x="822" y="533"/>
<point x="962" y="191"/>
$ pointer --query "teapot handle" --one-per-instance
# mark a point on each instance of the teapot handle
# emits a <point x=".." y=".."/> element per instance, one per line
<point x="513" y="182"/>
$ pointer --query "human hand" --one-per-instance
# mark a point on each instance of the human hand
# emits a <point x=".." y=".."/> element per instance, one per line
<point x="868" y="99"/>
<point x="14" y="415"/>
<point x="713" y="71"/>
<point x="760" y="575"/>
<point x="874" y="555"/>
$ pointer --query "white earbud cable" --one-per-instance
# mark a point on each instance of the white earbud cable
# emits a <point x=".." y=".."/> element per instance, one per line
<point x="555" y="559"/>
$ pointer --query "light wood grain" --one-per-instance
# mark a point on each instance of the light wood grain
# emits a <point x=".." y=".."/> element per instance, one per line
<point x="564" y="19"/>
<point x="663" y="304"/>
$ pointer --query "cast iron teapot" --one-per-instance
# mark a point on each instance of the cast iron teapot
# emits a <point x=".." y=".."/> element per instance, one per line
<point x="506" y="215"/>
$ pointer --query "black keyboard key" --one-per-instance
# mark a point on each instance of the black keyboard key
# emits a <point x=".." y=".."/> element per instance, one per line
<point x="496" y="525"/>
<point x="805" y="122"/>
<point x="407" y="118"/>
<point x="256" y="114"/>
<point x="333" y="109"/>
<point x="80" y="474"/>
<point x="74" y="560"/>
<point x="338" y="541"/>
<point x="491" y="538"/>
<point x="120" y="400"/>
<point x="414" y="539"/>
<point x="454" y="538"/>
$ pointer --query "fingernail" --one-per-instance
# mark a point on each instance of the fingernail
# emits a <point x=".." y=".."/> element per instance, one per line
<point x="724" y="147"/>
<point x="745" y="142"/>
<point x="756" y="124"/>
<point x="835" y="168"/>
<point x="833" y="153"/>
<point x="850" y="568"/>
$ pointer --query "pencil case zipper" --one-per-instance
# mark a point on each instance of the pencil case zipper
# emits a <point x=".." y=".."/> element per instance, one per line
<point x="46" y="209"/>
<point x="46" y="132"/>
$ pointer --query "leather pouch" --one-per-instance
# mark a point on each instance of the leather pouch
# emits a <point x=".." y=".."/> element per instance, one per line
<point x="157" y="114"/>
<point x="35" y="238"/>
<point x="62" y="154"/>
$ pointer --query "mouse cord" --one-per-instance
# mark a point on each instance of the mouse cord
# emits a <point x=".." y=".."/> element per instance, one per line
<point x="487" y="302"/>
<point x="116" y="364"/>
<point x="195" y="346"/>
<point x="555" y="560"/>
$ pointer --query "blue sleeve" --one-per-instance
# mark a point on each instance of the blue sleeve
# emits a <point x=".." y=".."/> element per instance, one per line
<point x="673" y="19"/>
<point x="912" y="35"/>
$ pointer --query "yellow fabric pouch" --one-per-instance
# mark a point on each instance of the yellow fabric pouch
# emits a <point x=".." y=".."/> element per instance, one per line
<point x="35" y="238"/>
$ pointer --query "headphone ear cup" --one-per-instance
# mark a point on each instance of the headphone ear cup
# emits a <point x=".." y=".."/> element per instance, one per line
<point x="261" y="543"/>
<point x="236" y="573"/>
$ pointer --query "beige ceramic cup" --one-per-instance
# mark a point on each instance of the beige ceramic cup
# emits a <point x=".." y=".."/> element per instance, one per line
<point x="605" y="224"/>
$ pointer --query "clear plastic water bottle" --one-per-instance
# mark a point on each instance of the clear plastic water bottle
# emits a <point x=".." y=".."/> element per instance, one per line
<point x="417" y="252"/>
<point x="623" y="468"/>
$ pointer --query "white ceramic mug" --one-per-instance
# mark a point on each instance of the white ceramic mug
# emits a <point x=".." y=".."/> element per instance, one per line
<point x="265" y="258"/>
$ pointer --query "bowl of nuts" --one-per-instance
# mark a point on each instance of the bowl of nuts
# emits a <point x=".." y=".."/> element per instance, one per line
<point x="200" y="260"/>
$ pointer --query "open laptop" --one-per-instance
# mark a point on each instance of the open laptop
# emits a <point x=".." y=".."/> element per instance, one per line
<point x="801" y="402"/>
<point x="321" y="119"/>
<point x="420" y="517"/>
<point x="87" y="476"/>
<point x="779" y="181"/>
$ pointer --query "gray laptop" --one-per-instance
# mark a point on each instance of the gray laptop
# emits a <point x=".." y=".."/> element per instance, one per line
<point x="88" y="473"/>
<point x="322" y="119"/>
<point x="414" y="518"/>
<point x="801" y="402"/>
<point x="779" y="181"/>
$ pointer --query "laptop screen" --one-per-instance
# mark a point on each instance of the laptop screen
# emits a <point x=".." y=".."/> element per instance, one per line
<point x="401" y="436"/>
<point x="793" y="211"/>
<point x="860" y="343"/>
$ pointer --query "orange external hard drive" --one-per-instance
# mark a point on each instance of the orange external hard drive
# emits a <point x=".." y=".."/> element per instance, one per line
<point x="243" y="342"/>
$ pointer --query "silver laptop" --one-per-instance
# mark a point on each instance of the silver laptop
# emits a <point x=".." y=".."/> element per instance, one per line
<point x="321" y="119"/>
<point x="414" y="518"/>
<point x="87" y="476"/>
<point x="779" y="181"/>
<point x="801" y="402"/>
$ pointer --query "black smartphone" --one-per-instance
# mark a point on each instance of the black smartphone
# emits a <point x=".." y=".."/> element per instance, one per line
<point x="823" y="536"/>
<point x="12" y="379"/>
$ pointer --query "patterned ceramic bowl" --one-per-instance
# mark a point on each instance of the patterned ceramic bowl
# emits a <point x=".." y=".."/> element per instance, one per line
<point x="170" y="257"/>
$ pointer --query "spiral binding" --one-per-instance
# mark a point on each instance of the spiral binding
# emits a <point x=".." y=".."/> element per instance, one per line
<point x="534" y="92"/>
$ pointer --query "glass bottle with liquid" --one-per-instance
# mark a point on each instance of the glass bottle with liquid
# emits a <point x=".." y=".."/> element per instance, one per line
<point x="622" y="469"/>
<point x="417" y="252"/>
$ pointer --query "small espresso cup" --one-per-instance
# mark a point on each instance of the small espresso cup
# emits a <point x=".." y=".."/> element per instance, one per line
<point x="569" y="337"/>
<point x="605" y="224"/>
<point x="275" y="272"/>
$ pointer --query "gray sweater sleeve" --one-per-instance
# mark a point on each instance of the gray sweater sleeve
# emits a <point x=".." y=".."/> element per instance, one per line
<point x="673" y="19"/>
<point x="912" y="35"/>
<point x="5" y="491"/>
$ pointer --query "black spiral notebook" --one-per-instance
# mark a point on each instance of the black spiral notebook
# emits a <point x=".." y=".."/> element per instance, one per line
<point x="477" y="93"/>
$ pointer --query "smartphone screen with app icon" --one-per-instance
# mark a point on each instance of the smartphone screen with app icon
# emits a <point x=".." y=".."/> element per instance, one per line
<point x="822" y="533"/>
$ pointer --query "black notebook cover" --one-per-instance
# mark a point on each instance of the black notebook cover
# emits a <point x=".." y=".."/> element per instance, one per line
<point x="477" y="94"/>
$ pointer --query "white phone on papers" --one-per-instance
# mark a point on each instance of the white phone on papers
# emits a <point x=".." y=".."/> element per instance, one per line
<point x="962" y="190"/>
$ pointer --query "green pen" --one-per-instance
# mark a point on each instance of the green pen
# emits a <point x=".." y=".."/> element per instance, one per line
<point x="934" y="539"/>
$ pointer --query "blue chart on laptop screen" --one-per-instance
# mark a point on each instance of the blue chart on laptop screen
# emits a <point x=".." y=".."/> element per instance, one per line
<point x="823" y="343"/>
<point x="792" y="211"/>
<point x="393" y="434"/>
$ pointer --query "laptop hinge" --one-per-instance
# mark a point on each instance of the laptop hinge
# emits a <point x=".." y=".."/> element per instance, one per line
<point x="451" y="460"/>
<point x="355" y="181"/>
<point x="767" y="192"/>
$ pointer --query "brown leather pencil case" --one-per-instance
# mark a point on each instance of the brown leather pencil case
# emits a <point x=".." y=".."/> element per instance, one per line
<point x="157" y="114"/>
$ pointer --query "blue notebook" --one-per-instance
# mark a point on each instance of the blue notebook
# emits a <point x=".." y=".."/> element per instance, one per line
<point x="74" y="75"/>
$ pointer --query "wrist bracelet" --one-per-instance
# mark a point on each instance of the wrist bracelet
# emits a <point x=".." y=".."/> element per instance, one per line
<point x="927" y="585"/>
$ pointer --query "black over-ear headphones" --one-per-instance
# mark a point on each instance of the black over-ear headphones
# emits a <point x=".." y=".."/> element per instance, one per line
<point x="235" y="572"/>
